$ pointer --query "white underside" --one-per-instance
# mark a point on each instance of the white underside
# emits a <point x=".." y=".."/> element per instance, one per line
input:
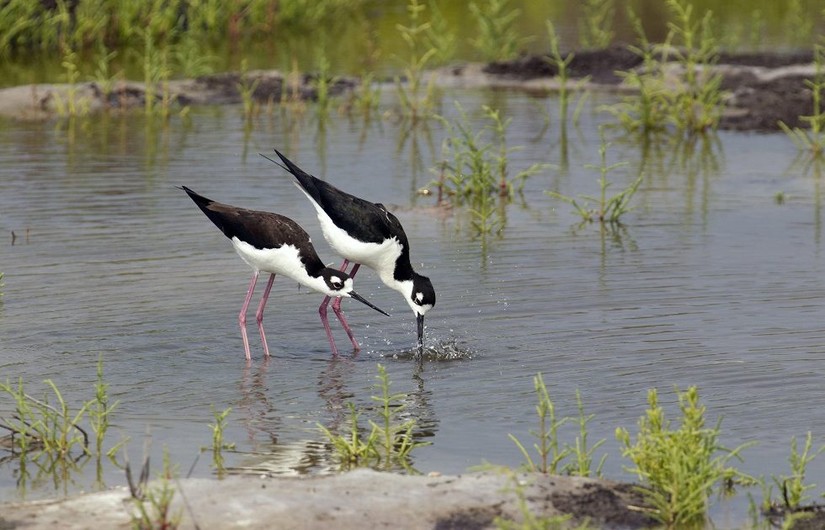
<point x="280" y="261"/>
<point x="380" y="257"/>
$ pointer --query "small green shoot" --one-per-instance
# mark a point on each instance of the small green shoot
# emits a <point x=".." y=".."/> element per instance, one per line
<point x="390" y="441"/>
<point x="497" y="38"/>
<point x="474" y="169"/>
<point x="218" y="444"/>
<point x="595" y="26"/>
<point x="550" y="454"/>
<point x="416" y="97"/>
<point x="793" y="486"/>
<point x="153" y="507"/>
<point x="679" y="467"/>
<point x="813" y="139"/>
<point x="583" y="455"/>
<point x="608" y="209"/>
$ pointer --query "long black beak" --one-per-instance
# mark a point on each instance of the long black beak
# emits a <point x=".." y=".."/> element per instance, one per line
<point x="420" y="319"/>
<point x="367" y="303"/>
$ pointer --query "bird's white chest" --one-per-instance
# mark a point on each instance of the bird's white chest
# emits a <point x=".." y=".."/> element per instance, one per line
<point x="378" y="256"/>
<point x="284" y="260"/>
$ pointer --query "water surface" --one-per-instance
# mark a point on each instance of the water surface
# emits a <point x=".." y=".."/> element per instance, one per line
<point x="710" y="282"/>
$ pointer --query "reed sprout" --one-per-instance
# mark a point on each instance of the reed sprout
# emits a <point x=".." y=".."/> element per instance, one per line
<point x="685" y="106"/>
<point x="596" y="23"/>
<point x="812" y="140"/>
<point x="497" y="38"/>
<point x="679" y="467"/>
<point x="416" y="95"/>
<point x="475" y="167"/>
<point x="390" y="441"/>
<point x="608" y="209"/>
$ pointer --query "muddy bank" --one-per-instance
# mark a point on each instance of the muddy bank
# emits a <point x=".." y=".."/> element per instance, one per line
<point x="763" y="88"/>
<point x="354" y="500"/>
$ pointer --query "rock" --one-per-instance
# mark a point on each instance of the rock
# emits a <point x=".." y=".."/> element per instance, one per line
<point x="354" y="500"/>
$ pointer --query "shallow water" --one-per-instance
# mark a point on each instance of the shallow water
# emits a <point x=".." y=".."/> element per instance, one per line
<point x="709" y="283"/>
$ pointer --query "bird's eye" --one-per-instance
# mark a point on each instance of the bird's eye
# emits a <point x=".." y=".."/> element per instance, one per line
<point x="335" y="280"/>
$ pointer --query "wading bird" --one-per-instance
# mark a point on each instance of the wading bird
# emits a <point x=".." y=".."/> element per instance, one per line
<point x="365" y="233"/>
<point x="276" y="244"/>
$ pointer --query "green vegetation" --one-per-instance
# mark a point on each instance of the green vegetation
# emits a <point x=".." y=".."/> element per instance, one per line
<point x="390" y="441"/>
<point x="813" y="139"/>
<point x="475" y="168"/>
<point x="596" y="25"/>
<point x="679" y="467"/>
<point x="549" y="452"/>
<point x="218" y="445"/>
<point x="793" y="486"/>
<point x="608" y="209"/>
<point x="684" y="105"/>
<point x="153" y="505"/>
<point x="415" y="95"/>
<point x="497" y="38"/>
<point x="551" y="455"/>
<point x="561" y="63"/>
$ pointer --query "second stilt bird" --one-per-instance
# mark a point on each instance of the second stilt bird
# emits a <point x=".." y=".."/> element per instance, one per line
<point x="276" y="244"/>
<point x="364" y="232"/>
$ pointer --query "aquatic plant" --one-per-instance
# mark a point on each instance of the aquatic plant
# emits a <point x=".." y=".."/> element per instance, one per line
<point x="596" y="23"/>
<point x="685" y="105"/>
<point x="218" y="445"/>
<point x="36" y="425"/>
<point x="2" y="284"/>
<point x="497" y="38"/>
<point x="71" y="106"/>
<point x="813" y="139"/>
<point x="608" y="209"/>
<point x="416" y="97"/>
<point x="390" y="441"/>
<point x="793" y="486"/>
<point x="549" y="451"/>
<point x="681" y="467"/>
<point x="246" y="88"/>
<point x="100" y="410"/>
<point x="562" y="75"/>
<point x="153" y="505"/>
<point x="475" y="167"/>
<point x="582" y="461"/>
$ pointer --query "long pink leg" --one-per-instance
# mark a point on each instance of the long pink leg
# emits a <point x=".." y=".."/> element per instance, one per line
<point x="322" y="310"/>
<point x="259" y="315"/>
<point x="336" y="308"/>
<point x="242" y="315"/>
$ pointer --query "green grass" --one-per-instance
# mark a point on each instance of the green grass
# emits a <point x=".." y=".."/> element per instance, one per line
<point x="812" y="140"/>
<point x="607" y="209"/>
<point x="475" y="168"/>
<point x="679" y="467"/>
<point x="390" y="440"/>
<point x="496" y="37"/>
<point x="685" y="106"/>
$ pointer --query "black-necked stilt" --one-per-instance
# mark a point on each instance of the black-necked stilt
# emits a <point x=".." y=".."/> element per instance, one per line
<point x="366" y="233"/>
<point x="276" y="244"/>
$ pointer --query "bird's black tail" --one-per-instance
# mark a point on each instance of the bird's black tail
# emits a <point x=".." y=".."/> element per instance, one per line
<point x="306" y="181"/>
<point x="202" y="202"/>
<point x="205" y="204"/>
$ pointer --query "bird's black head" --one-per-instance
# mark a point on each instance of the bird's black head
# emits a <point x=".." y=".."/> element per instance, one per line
<point x="339" y="283"/>
<point x="422" y="298"/>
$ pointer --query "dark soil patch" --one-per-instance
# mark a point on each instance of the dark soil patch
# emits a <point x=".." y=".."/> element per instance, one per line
<point x="755" y="104"/>
<point x="607" y="507"/>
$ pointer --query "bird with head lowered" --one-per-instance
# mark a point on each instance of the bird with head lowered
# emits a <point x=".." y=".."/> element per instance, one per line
<point x="272" y="243"/>
<point x="365" y="233"/>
